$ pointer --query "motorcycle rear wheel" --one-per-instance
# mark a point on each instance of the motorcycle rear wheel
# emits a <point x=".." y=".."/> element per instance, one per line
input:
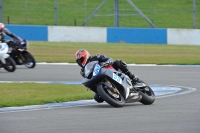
<point x="148" y="96"/>
<point x="10" y="65"/>
<point x="115" y="100"/>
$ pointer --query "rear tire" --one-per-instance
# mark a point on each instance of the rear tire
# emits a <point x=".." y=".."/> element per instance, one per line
<point x="113" y="101"/>
<point x="148" y="96"/>
<point x="10" y="65"/>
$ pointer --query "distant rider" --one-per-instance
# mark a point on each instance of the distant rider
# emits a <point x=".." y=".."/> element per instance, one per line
<point x="4" y="31"/>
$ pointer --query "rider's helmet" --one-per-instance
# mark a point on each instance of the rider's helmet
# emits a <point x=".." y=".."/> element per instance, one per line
<point x="82" y="57"/>
<point x="1" y="27"/>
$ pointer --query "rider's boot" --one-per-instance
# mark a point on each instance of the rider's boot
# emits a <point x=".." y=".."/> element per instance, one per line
<point x="132" y="76"/>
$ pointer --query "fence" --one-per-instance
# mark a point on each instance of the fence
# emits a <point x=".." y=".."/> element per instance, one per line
<point x="103" y="13"/>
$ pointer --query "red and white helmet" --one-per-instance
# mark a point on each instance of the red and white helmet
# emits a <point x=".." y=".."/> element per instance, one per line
<point x="82" y="57"/>
<point x="1" y="27"/>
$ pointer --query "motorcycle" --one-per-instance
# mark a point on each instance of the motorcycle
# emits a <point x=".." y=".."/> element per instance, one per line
<point x="5" y="60"/>
<point x="18" y="51"/>
<point x="115" y="87"/>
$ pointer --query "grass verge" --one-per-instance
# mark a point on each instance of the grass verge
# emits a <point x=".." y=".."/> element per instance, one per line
<point x="20" y="94"/>
<point x="131" y="53"/>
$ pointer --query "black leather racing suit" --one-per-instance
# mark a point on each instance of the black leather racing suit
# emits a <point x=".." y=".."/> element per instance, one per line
<point x="16" y="39"/>
<point x="117" y="64"/>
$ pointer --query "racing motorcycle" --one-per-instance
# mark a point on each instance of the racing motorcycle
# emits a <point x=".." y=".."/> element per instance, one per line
<point x="18" y="51"/>
<point x="5" y="60"/>
<point x="114" y="87"/>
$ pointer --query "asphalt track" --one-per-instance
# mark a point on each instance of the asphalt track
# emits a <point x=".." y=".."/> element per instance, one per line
<point x="172" y="114"/>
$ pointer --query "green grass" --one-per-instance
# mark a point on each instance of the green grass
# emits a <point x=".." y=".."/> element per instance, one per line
<point x="20" y="94"/>
<point x="163" y="13"/>
<point x="131" y="53"/>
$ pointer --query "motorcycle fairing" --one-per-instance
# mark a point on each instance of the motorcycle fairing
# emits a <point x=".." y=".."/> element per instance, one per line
<point x="96" y="69"/>
<point x="3" y="52"/>
<point x="118" y="79"/>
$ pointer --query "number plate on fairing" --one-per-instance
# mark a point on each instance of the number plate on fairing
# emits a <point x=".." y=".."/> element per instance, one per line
<point x="96" y="69"/>
<point x="117" y="78"/>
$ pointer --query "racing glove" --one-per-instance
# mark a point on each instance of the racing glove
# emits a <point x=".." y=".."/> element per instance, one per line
<point x="106" y="63"/>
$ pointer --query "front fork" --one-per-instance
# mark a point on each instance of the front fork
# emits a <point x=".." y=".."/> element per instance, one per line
<point x="110" y="87"/>
<point x="21" y="57"/>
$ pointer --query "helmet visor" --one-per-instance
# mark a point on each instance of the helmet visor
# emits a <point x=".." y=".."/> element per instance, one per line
<point x="80" y="61"/>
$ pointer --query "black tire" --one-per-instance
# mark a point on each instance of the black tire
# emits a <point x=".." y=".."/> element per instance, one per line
<point x="148" y="96"/>
<point x="115" y="102"/>
<point x="97" y="98"/>
<point x="29" y="60"/>
<point x="10" y="65"/>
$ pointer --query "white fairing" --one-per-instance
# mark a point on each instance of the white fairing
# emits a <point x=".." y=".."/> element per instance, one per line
<point x="3" y="52"/>
<point x="127" y="89"/>
<point x="127" y="92"/>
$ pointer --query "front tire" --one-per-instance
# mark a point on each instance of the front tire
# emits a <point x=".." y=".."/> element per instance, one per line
<point x="10" y="65"/>
<point x="97" y="98"/>
<point x="29" y="60"/>
<point x="114" y="99"/>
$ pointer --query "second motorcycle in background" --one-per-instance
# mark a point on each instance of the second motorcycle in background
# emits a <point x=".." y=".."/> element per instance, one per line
<point x="18" y="51"/>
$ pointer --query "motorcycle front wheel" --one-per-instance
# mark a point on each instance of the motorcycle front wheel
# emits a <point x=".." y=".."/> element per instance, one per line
<point x="97" y="98"/>
<point x="115" y="99"/>
<point x="29" y="61"/>
<point x="10" y="65"/>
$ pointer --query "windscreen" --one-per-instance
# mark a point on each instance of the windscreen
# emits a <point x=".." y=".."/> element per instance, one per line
<point x="89" y="68"/>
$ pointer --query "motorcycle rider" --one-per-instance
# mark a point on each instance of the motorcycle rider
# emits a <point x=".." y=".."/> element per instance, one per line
<point x="4" y="31"/>
<point x="83" y="57"/>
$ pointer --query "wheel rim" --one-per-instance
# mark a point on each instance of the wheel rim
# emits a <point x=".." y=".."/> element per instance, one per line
<point x="115" y="95"/>
<point x="148" y="91"/>
<point x="29" y="64"/>
<point x="9" y="66"/>
<point x="28" y="61"/>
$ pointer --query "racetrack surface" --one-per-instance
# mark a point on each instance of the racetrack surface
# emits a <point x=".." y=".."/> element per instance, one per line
<point x="173" y="114"/>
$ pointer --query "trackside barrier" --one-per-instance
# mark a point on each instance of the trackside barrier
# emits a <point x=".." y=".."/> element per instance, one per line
<point x="137" y="35"/>
<point x="109" y="34"/>
<point x="76" y="34"/>
<point x="183" y="36"/>
<point x="32" y="33"/>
